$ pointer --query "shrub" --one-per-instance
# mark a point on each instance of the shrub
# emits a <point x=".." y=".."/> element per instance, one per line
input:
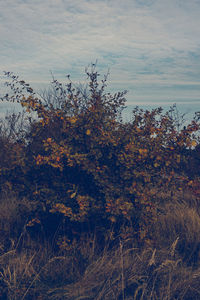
<point x="84" y="163"/>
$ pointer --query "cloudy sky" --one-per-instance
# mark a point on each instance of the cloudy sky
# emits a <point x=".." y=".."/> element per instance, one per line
<point x="152" y="47"/>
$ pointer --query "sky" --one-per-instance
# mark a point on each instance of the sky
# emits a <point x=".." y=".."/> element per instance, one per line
<point x="151" y="47"/>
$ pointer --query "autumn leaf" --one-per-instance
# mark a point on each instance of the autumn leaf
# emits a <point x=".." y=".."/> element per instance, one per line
<point x="193" y="143"/>
<point x="88" y="131"/>
<point x="73" y="120"/>
<point x="73" y="195"/>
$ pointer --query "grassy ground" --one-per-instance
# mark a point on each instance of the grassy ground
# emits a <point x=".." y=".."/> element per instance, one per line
<point x="166" y="267"/>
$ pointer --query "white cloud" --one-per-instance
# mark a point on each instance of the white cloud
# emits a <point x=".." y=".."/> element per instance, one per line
<point x="151" y="42"/>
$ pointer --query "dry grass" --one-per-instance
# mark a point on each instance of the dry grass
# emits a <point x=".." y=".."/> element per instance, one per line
<point x="183" y="221"/>
<point x="151" y="274"/>
<point x="168" y="268"/>
<point x="17" y="271"/>
<point x="14" y="214"/>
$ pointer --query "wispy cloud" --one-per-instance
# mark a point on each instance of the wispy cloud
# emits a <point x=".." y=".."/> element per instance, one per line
<point x="152" y="47"/>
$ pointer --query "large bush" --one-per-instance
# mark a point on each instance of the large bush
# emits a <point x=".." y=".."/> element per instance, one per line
<point x="79" y="159"/>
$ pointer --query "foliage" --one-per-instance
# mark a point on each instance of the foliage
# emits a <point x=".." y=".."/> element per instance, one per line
<point x="80" y="160"/>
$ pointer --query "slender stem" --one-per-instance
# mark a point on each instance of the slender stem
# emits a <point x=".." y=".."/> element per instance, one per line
<point x="122" y="268"/>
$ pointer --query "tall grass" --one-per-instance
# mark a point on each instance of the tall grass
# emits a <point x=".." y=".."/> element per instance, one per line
<point x="166" y="267"/>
